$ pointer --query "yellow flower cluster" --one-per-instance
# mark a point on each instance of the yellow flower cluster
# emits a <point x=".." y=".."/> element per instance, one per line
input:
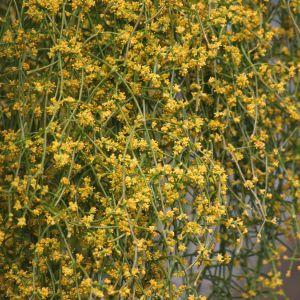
<point x="148" y="149"/>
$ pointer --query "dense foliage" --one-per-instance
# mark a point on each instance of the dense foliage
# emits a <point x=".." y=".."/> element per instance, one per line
<point x="148" y="149"/>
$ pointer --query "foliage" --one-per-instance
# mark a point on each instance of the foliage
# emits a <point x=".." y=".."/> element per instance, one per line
<point x="148" y="149"/>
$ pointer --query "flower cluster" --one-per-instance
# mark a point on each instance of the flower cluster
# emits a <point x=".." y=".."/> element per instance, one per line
<point x="148" y="149"/>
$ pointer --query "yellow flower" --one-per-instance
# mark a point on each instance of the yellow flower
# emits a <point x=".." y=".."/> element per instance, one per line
<point x="248" y="184"/>
<point x="62" y="159"/>
<point x="2" y="236"/>
<point x="21" y="221"/>
<point x="220" y="258"/>
<point x="242" y="80"/>
<point x="86" y="118"/>
<point x="73" y="206"/>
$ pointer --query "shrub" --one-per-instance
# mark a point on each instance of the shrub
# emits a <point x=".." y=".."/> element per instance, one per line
<point x="148" y="149"/>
